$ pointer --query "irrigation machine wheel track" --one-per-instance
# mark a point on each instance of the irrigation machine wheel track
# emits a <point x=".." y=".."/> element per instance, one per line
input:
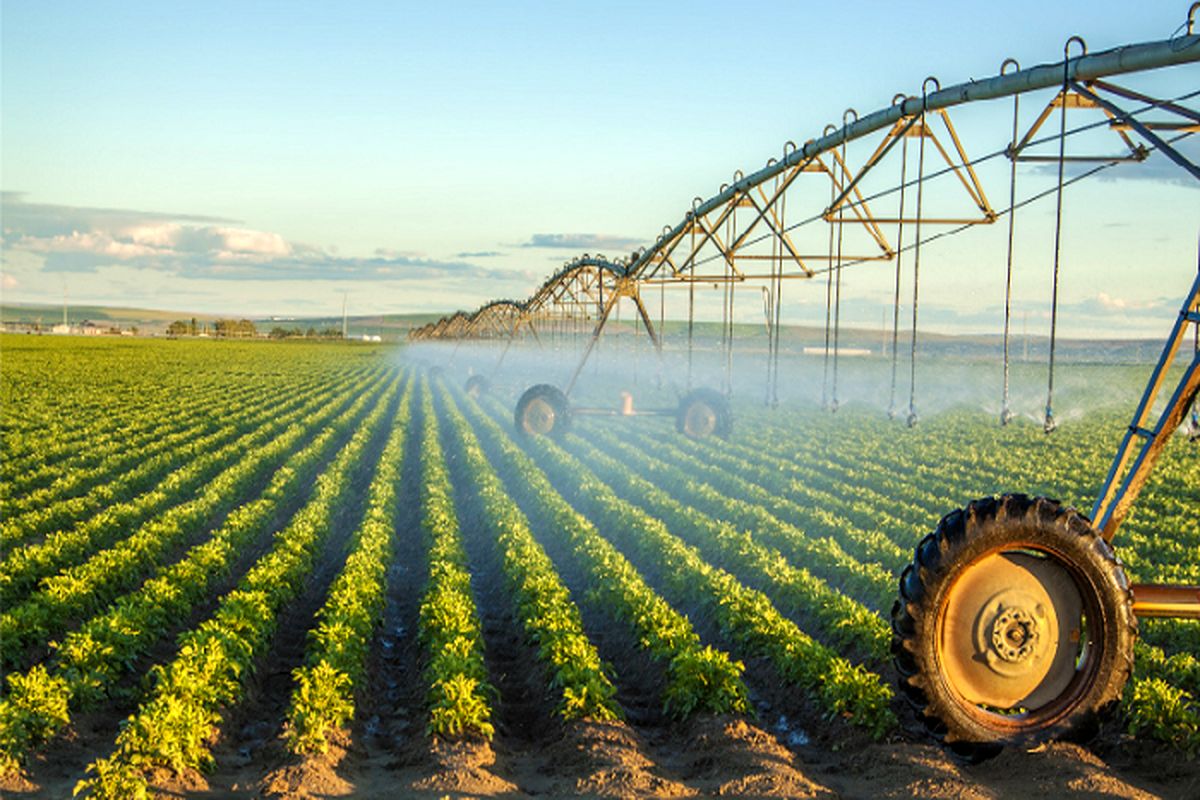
<point x="1014" y="625"/>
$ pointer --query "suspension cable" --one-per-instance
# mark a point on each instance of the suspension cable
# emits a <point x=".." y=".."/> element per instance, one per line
<point x="730" y="233"/>
<point x="768" y="312"/>
<point x="691" y="305"/>
<point x="778" y="295"/>
<point x="896" y="293"/>
<point x="837" y="307"/>
<point x="912" y="369"/>
<point x="1006" y="414"/>
<point x="829" y="289"/>
<point x="1050" y="425"/>
<point x="662" y="326"/>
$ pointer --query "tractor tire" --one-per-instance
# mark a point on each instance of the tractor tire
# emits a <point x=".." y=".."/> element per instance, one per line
<point x="703" y="413"/>
<point x="1014" y="625"/>
<point x="477" y="386"/>
<point x="543" y="411"/>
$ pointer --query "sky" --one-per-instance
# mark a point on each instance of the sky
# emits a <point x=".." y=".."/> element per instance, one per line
<point x="273" y="158"/>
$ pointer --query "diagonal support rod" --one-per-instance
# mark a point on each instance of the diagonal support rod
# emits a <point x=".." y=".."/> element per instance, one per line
<point x="1147" y="134"/>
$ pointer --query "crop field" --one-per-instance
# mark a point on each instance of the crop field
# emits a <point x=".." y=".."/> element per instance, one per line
<point x="317" y="570"/>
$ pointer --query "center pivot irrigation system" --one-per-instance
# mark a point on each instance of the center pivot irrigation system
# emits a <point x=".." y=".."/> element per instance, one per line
<point x="1015" y="622"/>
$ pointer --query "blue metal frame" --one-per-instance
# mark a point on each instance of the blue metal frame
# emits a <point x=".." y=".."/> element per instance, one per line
<point x="1144" y="444"/>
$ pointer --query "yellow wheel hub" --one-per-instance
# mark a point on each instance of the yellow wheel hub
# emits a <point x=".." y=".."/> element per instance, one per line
<point x="539" y="417"/>
<point x="700" y="420"/>
<point x="1010" y="632"/>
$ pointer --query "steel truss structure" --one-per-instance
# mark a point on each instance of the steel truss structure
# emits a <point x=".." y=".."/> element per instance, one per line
<point x="751" y="231"/>
<point x="761" y="228"/>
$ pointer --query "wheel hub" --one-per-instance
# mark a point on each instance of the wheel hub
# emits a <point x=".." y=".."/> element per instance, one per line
<point x="1010" y="632"/>
<point x="700" y="420"/>
<point x="539" y="417"/>
<point x="1015" y="634"/>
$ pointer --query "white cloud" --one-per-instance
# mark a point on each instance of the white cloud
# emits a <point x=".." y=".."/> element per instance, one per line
<point x="79" y="240"/>
<point x="243" y="242"/>
<point x="583" y="241"/>
<point x="1110" y="303"/>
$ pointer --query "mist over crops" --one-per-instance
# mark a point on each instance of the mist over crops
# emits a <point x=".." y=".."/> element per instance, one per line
<point x="806" y="379"/>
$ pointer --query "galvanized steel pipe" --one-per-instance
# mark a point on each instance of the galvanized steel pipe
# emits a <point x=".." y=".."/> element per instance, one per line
<point x="1117" y="61"/>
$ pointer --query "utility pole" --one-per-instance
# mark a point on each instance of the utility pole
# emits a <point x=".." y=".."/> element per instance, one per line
<point x="344" y="315"/>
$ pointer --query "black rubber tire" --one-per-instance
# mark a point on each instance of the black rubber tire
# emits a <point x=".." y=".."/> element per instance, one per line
<point x="560" y="421"/>
<point x="478" y="385"/>
<point x="988" y="526"/>
<point x="710" y="400"/>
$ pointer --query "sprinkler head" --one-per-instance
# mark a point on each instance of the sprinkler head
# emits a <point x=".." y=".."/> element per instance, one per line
<point x="912" y="419"/>
<point x="1006" y="416"/>
<point x="1049" y="426"/>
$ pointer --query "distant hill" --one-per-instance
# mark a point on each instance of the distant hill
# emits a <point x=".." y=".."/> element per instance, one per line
<point x="151" y="321"/>
<point x="47" y="315"/>
<point x="707" y="335"/>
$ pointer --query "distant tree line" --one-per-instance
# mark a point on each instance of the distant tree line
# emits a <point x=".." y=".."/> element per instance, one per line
<point x="279" y="332"/>
<point x="242" y="328"/>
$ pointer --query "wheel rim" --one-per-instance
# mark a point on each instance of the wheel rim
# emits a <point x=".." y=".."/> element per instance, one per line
<point x="539" y="417"/>
<point x="699" y="420"/>
<point x="1014" y="641"/>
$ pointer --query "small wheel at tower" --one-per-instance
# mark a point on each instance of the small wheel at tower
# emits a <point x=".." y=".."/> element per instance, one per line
<point x="703" y="413"/>
<point x="1014" y="625"/>
<point x="543" y="411"/>
<point x="478" y="385"/>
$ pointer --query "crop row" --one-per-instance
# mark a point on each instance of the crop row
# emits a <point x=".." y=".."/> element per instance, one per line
<point x="70" y="544"/>
<point x="114" y="490"/>
<point x="82" y="589"/>
<point x="542" y="603"/>
<point x="55" y="415"/>
<point x="699" y="678"/>
<point x="36" y="481"/>
<point x="450" y="630"/>
<point x="102" y="466"/>
<point x="806" y="497"/>
<point x="85" y="669"/>
<point x="822" y="545"/>
<point x="843" y="622"/>
<point x="1160" y="700"/>
<point x="336" y="657"/>
<point x="743" y="615"/>
<point x="173" y="725"/>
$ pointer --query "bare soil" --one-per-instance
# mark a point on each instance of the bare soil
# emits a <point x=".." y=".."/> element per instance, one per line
<point x="722" y="756"/>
